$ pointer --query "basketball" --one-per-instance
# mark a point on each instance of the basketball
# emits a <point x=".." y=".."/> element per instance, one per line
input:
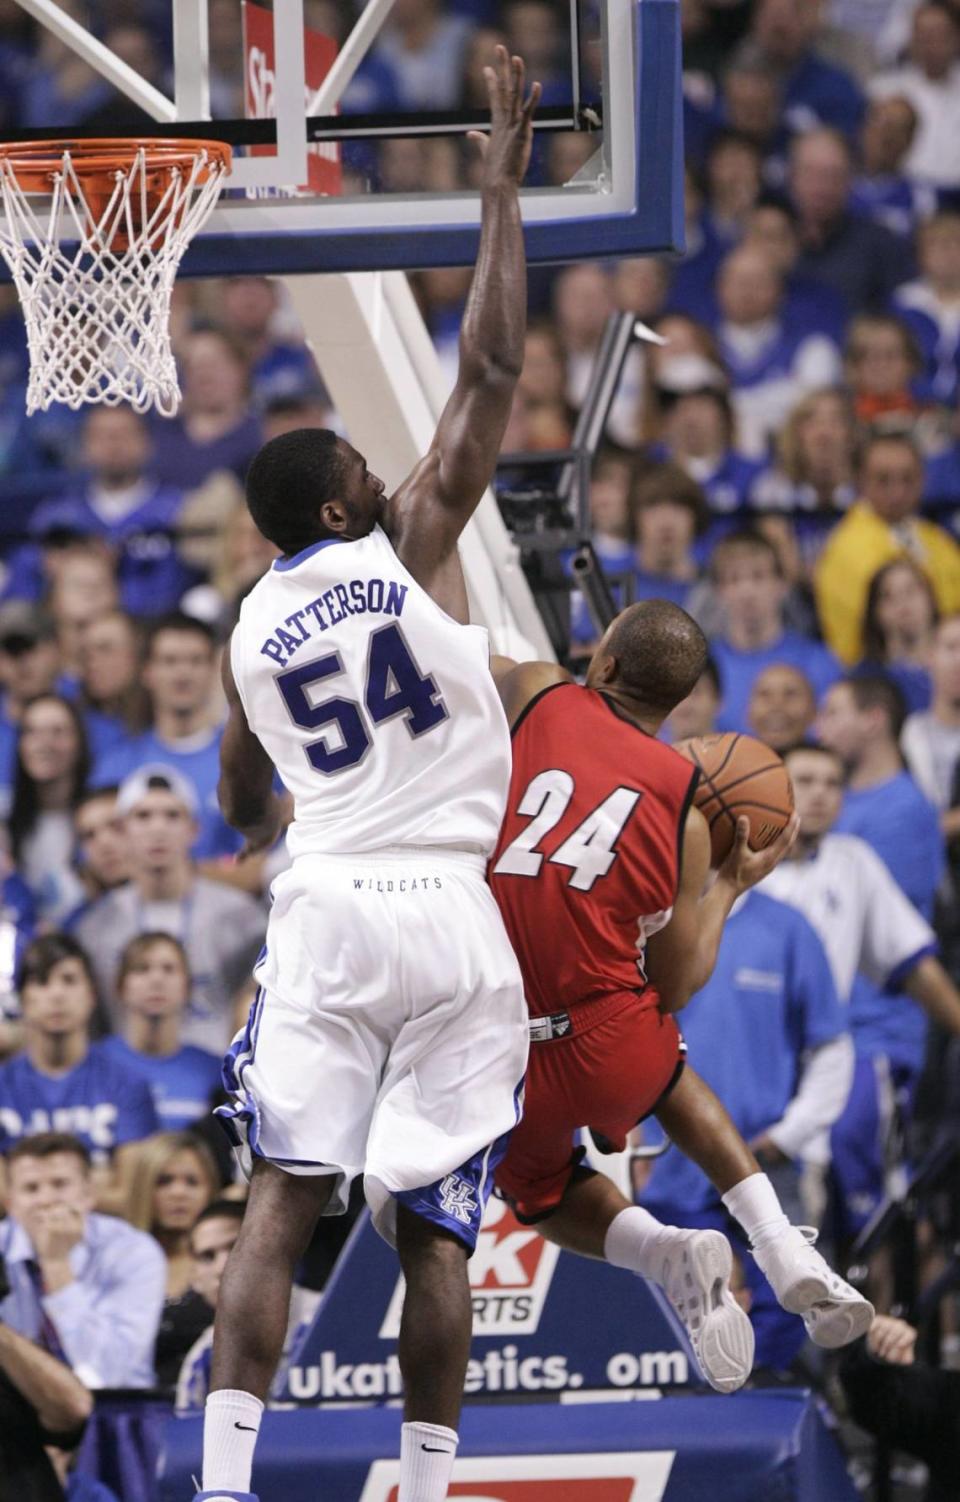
<point x="739" y="775"/>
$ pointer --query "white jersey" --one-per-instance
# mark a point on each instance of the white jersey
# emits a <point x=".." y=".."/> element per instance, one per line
<point x="377" y="709"/>
<point x="862" y="917"/>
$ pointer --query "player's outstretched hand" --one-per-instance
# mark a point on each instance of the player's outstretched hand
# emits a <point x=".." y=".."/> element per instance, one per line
<point x="744" y="867"/>
<point x="506" y="150"/>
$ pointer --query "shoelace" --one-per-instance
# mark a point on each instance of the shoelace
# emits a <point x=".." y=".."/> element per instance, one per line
<point x="837" y="1284"/>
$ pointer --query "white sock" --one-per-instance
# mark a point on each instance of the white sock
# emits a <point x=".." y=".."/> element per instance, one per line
<point x="231" y="1423"/>
<point x="755" y="1204"/>
<point x="634" y="1240"/>
<point x="427" y="1453"/>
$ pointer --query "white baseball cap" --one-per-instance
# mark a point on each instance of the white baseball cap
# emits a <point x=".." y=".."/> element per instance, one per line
<point x="157" y="774"/>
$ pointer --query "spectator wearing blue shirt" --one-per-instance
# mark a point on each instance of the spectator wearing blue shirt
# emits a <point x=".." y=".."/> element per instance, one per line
<point x="871" y="932"/>
<point x="734" y="171"/>
<point x="861" y="719"/>
<point x="815" y="92"/>
<point x="772" y="361"/>
<point x="30" y="664"/>
<point x="858" y="259"/>
<point x="112" y="699"/>
<point x="882" y="190"/>
<point x="153" y="988"/>
<point x="751" y="104"/>
<point x="87" y="1288"/>
<point x="928" y="307"/>
<point x="425" y="50"/>
<point x="691" y="285"/>
<point x="102" y="854"/>
<point x="768" y="1034"/>
<point x="51" y="770"/>
<point x="280" y="366"/>
<point x="668" y="511"/>
<point x="899" y="625"/>
<point x="811" y="484"/>
<point x="214" y="428"/>
<point x="771" y="227"/>
<point x="122" y="503"/>
<point x="180" y="677"/>
<point x="18" y="923"/>
<point x="697" y="432"/>
<point x="221" y="928"/>
<point x="751" y="590"/>
<point x="61" y="1081"/>
<point x="610" y="481"/>
<point x="941" y="483"/>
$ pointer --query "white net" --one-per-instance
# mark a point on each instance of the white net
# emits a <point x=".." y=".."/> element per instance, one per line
<point x="94" y="258"/>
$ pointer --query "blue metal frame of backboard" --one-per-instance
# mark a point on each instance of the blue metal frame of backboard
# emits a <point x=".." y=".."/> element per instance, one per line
<point x="645" y="219"/>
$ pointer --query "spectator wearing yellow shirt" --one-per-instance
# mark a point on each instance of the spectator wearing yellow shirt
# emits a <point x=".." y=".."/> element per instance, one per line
<point x="882" y="525"/>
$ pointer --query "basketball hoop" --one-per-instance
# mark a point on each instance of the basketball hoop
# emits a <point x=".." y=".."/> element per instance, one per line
<point x="94" y="263"/>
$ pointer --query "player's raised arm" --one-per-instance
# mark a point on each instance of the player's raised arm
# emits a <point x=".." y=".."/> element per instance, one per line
<point x="431" y="508"/>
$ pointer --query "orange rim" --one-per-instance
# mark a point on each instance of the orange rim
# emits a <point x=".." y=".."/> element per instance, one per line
<point x="96" y="160"/>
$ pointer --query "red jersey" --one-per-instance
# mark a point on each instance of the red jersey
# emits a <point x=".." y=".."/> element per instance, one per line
<point x="588" y="859"/>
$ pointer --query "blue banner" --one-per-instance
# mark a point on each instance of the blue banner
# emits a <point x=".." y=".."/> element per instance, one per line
<point x="544" y="1322"/>
<point x="753" y="1447"/>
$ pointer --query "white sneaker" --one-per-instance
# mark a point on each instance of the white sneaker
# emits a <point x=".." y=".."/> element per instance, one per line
<point x="695" y="1276"/>
<point x="834" y="1313"/>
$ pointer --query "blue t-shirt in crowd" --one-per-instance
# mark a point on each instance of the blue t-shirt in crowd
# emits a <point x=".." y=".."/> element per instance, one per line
<point x="727" y="487"/>
<point x="904" y="829"/>
<point x="941" y="488"/>
<point x="646" y="586"/>
<point x="181" y="1083"/>
<point x="185" y="463"/>
<point x="912" y="680"/>
<point x="104" y="732"/>
<point x="771" y="998"/>
<point x="151" y="576"/>
<point x="198" y="760"/>
<point x="99" y="1101"/>
<point x="895" y="202"/>
<point x="818" y="92"/>
<point x="738" y="671"/>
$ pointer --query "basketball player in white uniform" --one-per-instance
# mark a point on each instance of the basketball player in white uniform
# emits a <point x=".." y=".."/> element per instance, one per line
<point x="389" y="1035"/>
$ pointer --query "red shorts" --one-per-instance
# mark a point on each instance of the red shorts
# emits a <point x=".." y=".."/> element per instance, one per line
<point x="622" y="1058"/>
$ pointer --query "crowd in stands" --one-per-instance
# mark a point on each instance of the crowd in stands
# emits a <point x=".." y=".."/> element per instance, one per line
<point x="786" y="466"/>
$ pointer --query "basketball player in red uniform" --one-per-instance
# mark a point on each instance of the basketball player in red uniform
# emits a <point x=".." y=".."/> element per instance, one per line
<point x="601" y="875"/>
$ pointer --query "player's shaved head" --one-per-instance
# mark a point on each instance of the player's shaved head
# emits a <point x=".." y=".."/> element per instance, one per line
<point x="654" y="652"/>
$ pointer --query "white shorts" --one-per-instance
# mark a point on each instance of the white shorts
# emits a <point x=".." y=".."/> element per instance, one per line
<point x="389" y="1035"/>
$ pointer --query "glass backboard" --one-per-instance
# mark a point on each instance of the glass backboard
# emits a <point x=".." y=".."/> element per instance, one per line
<point x="349" y="130"/>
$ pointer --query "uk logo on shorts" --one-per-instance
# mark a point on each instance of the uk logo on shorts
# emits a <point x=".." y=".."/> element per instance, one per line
<point x="457" y="1199"/>
<point x="624" y="1477"/>
<point x="510" y="1275"/>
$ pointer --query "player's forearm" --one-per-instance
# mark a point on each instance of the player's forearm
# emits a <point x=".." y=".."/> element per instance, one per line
<point x="494" y="320"/>
<point x="930" y="985"/>
<point x="61" y="1401"/>
<point x="712" y="914"/>
<point x="245" y="801"/>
